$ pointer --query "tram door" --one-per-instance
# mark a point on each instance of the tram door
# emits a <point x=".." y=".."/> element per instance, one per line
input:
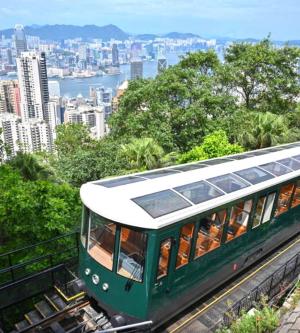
<point x="165" y="262"/>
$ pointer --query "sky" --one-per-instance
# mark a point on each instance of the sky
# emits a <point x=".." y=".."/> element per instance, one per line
<point x="208" y="18"/>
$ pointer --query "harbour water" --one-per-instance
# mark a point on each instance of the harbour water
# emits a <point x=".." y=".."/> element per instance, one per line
<point x="73" y="87"/>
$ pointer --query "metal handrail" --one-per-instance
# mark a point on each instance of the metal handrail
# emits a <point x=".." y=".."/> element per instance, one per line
<point x="270" y="283"/>
<point x="8" y="255"/>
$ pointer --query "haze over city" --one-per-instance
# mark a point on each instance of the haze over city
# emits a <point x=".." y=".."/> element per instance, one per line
<point x="232" y="18"/>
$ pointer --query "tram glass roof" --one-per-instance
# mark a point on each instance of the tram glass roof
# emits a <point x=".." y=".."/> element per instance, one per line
<point x="254" y="175"/>
<point x="161" y="203"/>
<point x="158" y="173"/>
<point x="120" y="181"/>
<point x="189" y="167"/>
<point x="215" y="161"/>
<point x="198" y="192"/>
<point x="296" y="157"/>
<point x="228" y="183"/>
<point x="290" y="163"/>
<point x="275" y="168"/>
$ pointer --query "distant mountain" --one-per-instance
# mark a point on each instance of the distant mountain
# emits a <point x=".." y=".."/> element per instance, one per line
<point x="146" y="36"/>
<point x="180" y="35"/>
<point x="61" y="31"/>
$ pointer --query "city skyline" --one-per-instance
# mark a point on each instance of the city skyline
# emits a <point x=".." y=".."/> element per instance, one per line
<point x="230" y="18"/>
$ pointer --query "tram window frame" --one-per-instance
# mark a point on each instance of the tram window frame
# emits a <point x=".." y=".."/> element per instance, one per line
<point x="269" y="207"/>
<point x="283" y="199"/>
<point x="258" y="215"/>
<point x="296" y="192"/>
<point x="206" y="236"/>
<point x="97" y="243"/>
<point x="184" y="241"/>
<point x="143" y="254"/>
<point x="266" y="210"/>
<point x="169" y="250"/>
<point x="231" y="235"/>
<point x="85" y="226"/>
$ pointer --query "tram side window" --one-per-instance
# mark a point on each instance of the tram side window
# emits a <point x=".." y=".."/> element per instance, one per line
<point x="132" y="253"/>
<point x="184" y="248"/>
<point x="210" y="233"/>
<point x="263" y="209"/>
<point x="164" y="257"/>
<point x="269" y="207"/>
<point x="239" y="218"/>
<point x="102" y="240"/>
<point x="284" y="199"/>
<point x="296" y="197"/>
<point x="84" y="225"/>
<point x="259" y="211"/>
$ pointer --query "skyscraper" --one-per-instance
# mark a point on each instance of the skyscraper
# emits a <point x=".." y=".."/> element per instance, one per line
<point x="32" y="74"/>
<point x="161" y="60"/>
<point x="37" y="129"/>
<point x="136" y="69"/>
<point x="20" y="39"/>
<point x="161" y="64"/>
<point x="10" y="97"/>
<point x="115" y="55"/>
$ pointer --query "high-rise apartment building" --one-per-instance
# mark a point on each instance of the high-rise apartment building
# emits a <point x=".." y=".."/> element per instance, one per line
<point x="34" y="135"/>
<point x="32" y="74"/>
<point x="20" y="39"/>
<point x="136" y="69"/>
<point x="9" y="123"/>
<point x="92" y="117"/>
<point x="38" y="113"/>
<point x="115" y="55"/>
<point x="10" y="97"/>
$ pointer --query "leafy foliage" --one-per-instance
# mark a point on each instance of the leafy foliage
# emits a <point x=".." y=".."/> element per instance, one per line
<point x="214" y="145"/>
<point x="265" y="129"/>
<point x="142" y="154"/>
<point x="264" y="77"/>
<point x="31" y="211"/>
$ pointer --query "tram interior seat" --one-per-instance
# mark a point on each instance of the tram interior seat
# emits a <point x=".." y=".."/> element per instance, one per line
<point x="164" y="259"/>
<point x="183" y="252"/>
<point x="130" y="241"/>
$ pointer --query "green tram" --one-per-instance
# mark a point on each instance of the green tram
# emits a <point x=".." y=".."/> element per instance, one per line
<point x="153" y="243"/>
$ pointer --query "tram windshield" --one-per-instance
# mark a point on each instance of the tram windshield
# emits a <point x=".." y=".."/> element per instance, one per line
<point x="132" y="254"/>
<point x="98" y="236"/>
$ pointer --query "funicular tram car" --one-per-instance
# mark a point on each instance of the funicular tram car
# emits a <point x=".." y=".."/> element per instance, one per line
<point x="153" y="243"/>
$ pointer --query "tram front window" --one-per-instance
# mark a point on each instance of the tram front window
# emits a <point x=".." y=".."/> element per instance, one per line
<point x="132" y="252"/>
<point x="102" y="240"/>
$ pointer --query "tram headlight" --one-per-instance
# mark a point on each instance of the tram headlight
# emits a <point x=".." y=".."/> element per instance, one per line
<point x="95" y="278"/>
<point x="87" y="271"/>
<point x="105" y="286"/>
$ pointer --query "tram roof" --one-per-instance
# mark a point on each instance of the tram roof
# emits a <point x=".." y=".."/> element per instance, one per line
<point x="157" y="198"/>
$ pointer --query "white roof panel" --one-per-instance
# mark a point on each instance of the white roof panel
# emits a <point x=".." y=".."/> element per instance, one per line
<point x="117" y="202"/>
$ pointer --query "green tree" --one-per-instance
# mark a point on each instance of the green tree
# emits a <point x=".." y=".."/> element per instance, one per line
<point x="178" y="106"/>
<point x="265" y="130"/>
<point x="214" y="145"/>
<point x="143" y="154"/>
<point x="29" y="167"/>
<point x="80" y="159"/>
<point x="32" y="211"/>
<point x="264" y="77"/>
<point x="70" y="137"/>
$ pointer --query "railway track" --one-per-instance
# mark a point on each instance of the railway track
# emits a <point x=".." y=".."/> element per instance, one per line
<point x="207" y="314"/>
<point x="58" y="313"/>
